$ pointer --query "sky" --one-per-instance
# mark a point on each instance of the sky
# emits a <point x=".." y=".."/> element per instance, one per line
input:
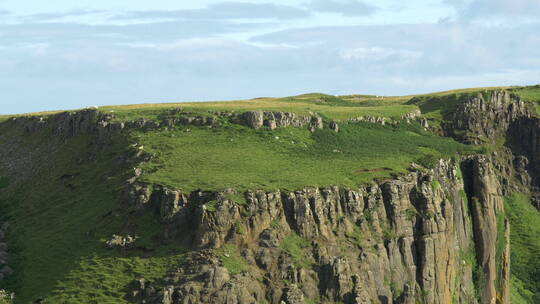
<point x="61" y="54"/>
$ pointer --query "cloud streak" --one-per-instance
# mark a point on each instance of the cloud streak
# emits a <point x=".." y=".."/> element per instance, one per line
<point x="343" y="7"/>
<point x="48" y="17"/>
<point x="220" y="11"/>
<point x="485" y="9"/>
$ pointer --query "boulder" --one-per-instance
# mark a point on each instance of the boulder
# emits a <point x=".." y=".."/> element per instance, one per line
<point x="334" y="126"/>
<point x="253" y="119"/>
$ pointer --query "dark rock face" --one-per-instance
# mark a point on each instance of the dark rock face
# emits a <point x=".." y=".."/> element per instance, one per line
<point x="92" y="122"/>
<point x="524" y="140"/>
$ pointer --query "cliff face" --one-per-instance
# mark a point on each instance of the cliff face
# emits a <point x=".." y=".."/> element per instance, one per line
<point x="429" y="236"/>
<point x="400" y="241"/>
<point x="484" y="119"/>
<point x="417" y="238"/>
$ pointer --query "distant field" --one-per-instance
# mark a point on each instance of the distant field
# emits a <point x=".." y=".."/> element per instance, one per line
<point x="325" y="105"/>
<point x="328" y="106"/>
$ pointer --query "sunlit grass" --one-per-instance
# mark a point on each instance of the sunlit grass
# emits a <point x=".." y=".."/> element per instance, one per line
<point x="290" y="158"/>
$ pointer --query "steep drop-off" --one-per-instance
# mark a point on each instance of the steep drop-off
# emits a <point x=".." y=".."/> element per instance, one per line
<point x="436" y="233"/>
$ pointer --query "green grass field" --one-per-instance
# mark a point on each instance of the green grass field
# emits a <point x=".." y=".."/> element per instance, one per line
<point x="289" y="158"/>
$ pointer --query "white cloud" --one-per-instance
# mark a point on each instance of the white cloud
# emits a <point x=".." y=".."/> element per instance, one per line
<point x="195" y="43"/>
<point x="344" y="7"/>
<point x="223" y="10"/>
<point x="379" y="54"/>
<point x="500" y="10"/>
<point x="38" y="49"/>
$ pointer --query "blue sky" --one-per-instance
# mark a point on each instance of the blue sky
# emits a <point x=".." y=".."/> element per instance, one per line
<point x="60" y="54"/>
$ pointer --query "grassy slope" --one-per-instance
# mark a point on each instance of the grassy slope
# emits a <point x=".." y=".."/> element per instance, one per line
<point x="524" y="248"/>
<point x="58" y="233"/>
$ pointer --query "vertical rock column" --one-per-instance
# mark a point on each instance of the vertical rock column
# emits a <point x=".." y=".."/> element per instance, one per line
<point x="504" y="282"/>
<point x="487" y="204"/>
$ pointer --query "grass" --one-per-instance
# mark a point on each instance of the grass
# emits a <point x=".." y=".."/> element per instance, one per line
<point x="106" y="279"/>
<point x="242" y="158"/>
<point x="4" y="182"/>
<point x="57" y="227"/>
<point x="531" y="94"/>
<point x="328" y="106"/>
<point x="356" y="237"/>
<point x="524" y="248"/>
<point x="231" y="259"/>
<point x="297" y="247"/>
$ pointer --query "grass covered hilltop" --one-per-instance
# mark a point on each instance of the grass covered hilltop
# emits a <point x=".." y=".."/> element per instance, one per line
<point x="62" y="195"/>
<point x="233" y="156"/>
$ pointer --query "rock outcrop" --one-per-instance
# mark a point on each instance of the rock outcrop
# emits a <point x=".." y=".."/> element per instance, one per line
<point x="484" y="119"/>
<point x="103" y="125"/>
<point x="425" y="237"/>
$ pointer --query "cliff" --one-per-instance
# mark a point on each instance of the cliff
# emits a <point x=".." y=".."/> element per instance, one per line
<point x="435" y="233"/>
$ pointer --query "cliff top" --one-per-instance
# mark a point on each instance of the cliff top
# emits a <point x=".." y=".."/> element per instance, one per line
<point x="334" y="107"/>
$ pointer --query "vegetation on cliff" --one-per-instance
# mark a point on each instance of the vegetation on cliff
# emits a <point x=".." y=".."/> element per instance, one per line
<point x="62" y="196"/>
<point x="525" y="249"/>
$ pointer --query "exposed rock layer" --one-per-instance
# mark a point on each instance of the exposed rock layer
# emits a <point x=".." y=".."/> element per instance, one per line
<point x="485" y="119"/>
<point x="400" y="241"/>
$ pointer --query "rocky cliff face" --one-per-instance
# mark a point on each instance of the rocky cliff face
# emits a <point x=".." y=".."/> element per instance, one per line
<point x="406" y="240"/>
<point x="426" y="237"/>
<point x="484" y="119"/>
